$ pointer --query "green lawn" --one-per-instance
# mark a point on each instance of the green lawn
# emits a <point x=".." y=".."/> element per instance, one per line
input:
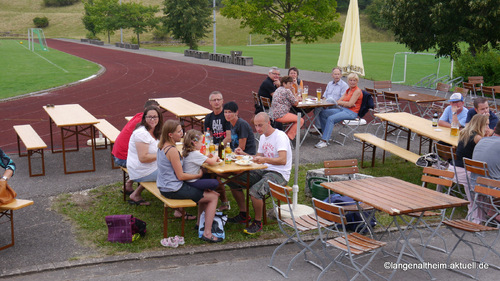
<point x="377" y="58"/>
<point x="23" y="71"/>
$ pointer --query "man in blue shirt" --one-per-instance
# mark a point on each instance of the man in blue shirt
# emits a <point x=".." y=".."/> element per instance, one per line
<point x="454" y="112"/>
<point x="334" y="90"/>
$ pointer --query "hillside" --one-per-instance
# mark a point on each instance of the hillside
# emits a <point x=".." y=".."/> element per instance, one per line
<point x="17" y="16"/>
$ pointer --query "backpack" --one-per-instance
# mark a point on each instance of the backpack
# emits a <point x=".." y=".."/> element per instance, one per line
<point x="121" y="228"/>
<point x="351" y="216"/>
<point x="217" y="225"/>
<point x="366" y="104"/>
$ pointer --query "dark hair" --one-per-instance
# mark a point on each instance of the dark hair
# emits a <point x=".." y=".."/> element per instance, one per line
<point x="286" y="79"/>
<point x="293" y="68"/>
<point x="478" y="101"/>
<point x="157" y="129"/>
<point x="231" y="106"/>
<point x="151" y="103"/>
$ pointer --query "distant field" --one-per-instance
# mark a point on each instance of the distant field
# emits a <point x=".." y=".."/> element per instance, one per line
<point x="377" y="58"/>
<point x="23" y="71"/>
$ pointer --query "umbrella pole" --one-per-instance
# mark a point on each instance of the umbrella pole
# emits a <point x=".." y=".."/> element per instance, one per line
<point x="295" y="187"/>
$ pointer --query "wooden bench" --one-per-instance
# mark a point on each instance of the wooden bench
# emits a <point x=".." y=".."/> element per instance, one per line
<point x="34" y="144"/>
<point x="8" y="211"/>
<point x="372" y="141"/>
<point x="169" y="203"/>
<point x="111" y="133"/>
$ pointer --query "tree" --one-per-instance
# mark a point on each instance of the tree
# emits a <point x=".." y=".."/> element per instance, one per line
<point x="435" y="24"/>
<point x="188" y="20"/>
<point x="101" y="15"/>
<point x="286" y="20"/>
<point x="138" y="17"/>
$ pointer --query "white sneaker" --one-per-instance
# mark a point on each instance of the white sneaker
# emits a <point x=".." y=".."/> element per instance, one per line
<point x="321" y="144"/>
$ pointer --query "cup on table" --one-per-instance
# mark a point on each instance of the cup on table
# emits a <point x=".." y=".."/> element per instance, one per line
<point x="454" y="131"/>
<point x="318" y="93"/>
<point x="306" y="90"/>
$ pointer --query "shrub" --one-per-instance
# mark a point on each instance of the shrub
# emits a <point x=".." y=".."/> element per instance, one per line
<point x="59" y="3"/>
<point x="91" y="35"/>
<point x="486" y="64"/>
<point x="160" y="34"/>
<point x="375" y="16"/>
<point x="41" y="22"/>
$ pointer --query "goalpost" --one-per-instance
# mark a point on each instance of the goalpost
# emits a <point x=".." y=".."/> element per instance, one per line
<point x="36" y="40"/>
<point x="410" y="68"/>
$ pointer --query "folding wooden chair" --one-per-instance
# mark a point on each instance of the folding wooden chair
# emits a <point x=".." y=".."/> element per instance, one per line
<point x="487" y="188"/>
<point x="354" y="247"/>
<point x="293" y="227"/>
<point x="447" y="155"/>
<point x="474" y="169"/>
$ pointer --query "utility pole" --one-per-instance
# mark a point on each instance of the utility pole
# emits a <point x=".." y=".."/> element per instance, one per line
<point x="215" y="33"/>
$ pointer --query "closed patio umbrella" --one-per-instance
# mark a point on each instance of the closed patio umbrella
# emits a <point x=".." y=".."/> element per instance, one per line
<point x="350" y="58"/>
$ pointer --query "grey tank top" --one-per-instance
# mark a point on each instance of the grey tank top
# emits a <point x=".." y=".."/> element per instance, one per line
<point x="167" y="181"/>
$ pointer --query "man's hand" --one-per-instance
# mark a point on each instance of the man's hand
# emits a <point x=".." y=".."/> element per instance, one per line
<point x="258" y="159"/>
<point x="239" y="151"/>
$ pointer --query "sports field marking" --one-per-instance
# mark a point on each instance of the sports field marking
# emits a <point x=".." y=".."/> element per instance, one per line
<point x="46" y="59"/>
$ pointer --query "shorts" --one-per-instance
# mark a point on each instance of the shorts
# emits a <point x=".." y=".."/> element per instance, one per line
<point x="258" y="182"/>
<point x="185" y="192"/>
<point x="120" y="162"/>
<point x="150" y="177"/>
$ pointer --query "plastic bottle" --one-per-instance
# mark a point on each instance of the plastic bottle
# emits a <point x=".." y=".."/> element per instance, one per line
<point x="211" y="147"/>
<point x="203" y="149"/>
<point x="207" y="137"/>
<point x="435" y="118"/>
<point x="228" y="153"/>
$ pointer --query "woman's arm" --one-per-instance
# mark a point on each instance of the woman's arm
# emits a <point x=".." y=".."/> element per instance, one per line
<point x="143" y="153"/>
<point x="173" y="157"/>
<point x="352" y="101"/>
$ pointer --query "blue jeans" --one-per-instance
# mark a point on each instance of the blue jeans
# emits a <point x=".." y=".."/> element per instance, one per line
<point x="330" y="117"/>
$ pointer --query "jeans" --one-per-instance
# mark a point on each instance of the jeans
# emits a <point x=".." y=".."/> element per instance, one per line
<point x="330" y="117"/>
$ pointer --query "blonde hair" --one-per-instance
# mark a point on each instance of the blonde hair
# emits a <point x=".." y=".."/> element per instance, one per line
<point x="476" y="125"/>
<point x="192" y="136"/>
<point x="353" y="75"/>
<point x="168" y="127"/>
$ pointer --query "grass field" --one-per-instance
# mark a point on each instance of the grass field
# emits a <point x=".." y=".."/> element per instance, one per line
<point x="23" y="71"/>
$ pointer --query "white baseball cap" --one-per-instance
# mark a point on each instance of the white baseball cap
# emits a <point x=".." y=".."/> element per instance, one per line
<point x="456" y="97"/>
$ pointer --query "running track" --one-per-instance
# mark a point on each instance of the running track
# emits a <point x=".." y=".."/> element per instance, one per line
<point x="129" y="80"/>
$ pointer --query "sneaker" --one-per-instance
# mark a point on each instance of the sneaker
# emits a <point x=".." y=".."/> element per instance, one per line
<point x="253" y="228"/>
<point x="239" y="219"/>
<point x="321" y="144"/>
<point x="224" y="206"/>
<point x="169" y="242"/>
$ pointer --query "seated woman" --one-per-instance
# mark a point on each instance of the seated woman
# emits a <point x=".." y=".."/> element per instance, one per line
<point x="348" y="108"/>
<point x="141" y="156"/>
<point x="171" y="177"/>
<point x="283" y="100"/>
<point x="297" y="83"/>
<point x="241" y="132"/>
<point x="469" y="136"/>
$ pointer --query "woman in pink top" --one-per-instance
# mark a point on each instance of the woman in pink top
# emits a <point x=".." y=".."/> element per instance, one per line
<point x="283" y="100"/>
<point x="349" y="105"/>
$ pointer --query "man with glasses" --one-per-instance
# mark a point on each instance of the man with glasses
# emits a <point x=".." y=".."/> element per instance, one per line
<point x="268" y="86"/>
<point x="216" y="122"/>
<point x="454" y="112"/>
<point x="120" y="148"/>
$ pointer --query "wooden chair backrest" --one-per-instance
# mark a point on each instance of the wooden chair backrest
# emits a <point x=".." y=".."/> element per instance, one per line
<point x="446" y="152"/>
<point x="382" y="84"/>
<point x="489" y="91"/>
<point x="468" y="86"/>
<point x="266" y="102"/>
<point x="256" y="99"/>
<point x="341" y="167"/>
<point x="442" y="87"/>
<point x="462" y="91"/>
<point x="329" y="212"/>
<point x="279" y="192"/>
<point x="476" y="167"/>
<point x="437" y="177"/>
<point x="371" y="91"/>
<point x="475" y="79"/>
<point x="391" y="96"/>
<point x="492" y="189"/>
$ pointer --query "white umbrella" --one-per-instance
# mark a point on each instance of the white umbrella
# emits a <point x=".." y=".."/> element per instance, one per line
<point x="351" y="58"/>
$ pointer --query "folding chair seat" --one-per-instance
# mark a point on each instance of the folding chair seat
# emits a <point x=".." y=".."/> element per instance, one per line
<point x="354" y="248"/>
<point x="294" y="227"/>
<point x="489" y="189"/>
<point x="438" y="178"/>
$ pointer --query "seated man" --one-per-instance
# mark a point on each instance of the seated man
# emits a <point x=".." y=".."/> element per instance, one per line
<point x="241" y="132"/>
<point x="268" y="86"/>
<point x="481" y="107"/>
<point x="216" y="122"/>
<point x="275" y="152"/>
<point x="454" y="112"/>
<point x="334" y="90"/>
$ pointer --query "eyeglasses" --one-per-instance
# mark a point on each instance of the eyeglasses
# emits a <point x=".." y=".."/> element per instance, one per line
<point x="215" y="99"/>
<point x="274" y="73"/>
<point x="152" y="117"/>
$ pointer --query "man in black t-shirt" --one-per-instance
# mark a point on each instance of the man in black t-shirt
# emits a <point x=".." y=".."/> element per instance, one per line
<point x="220" y="129"/>
<point x="268" y="86"/>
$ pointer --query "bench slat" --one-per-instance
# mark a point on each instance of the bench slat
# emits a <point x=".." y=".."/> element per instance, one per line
<point x="171" y="203"/>
<point x="29" y="137"/>
<point x="387" y="146"/>
<point x="16" y="204"/>
<point x="107" y="129"/>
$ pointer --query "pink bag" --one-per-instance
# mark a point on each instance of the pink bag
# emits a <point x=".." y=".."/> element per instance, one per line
<point x="119" y="228"/>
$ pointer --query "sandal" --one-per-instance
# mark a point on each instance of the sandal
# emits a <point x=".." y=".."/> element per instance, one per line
<point x="169" y="242"/>
<point x="139" y="202"/>
<point x="224" y="206"/>
<point x="127" y="192"/>
<point x="187" y="216"/>
<point x="212" y="239"/>
<point x="178" y="239"/>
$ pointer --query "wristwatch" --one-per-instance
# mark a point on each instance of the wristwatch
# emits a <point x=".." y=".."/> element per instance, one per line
<point x="4" y="178"/>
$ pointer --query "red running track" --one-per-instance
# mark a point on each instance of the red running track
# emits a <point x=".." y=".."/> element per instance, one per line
<point x="129" y="80"/>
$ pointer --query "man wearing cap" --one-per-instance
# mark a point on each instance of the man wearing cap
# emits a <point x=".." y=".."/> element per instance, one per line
<point x="454" y="112"/>
<point x="481" y="107"/>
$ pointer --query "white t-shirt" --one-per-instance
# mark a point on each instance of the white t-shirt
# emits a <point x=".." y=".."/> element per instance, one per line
<point x="270" y="146"/>
<point x="135" y="168"/>
<point x="193" y="162"/>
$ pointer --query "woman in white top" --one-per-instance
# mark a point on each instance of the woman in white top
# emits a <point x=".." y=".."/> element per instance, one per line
<point x="141" y="158"/>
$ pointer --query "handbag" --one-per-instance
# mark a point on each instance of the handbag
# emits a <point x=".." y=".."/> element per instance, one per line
<point x="121" y="228"/>
<point x="7" y="194"/>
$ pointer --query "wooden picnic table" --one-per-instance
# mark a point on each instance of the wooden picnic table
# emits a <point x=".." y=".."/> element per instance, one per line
<point x="416" y="98"/>
<point x="73" y="120"/>
<point x="188" y="112"/>
<point x="305" y="107"/>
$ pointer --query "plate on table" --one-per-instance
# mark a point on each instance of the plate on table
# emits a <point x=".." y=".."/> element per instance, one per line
<point x="243" y="162"/>
<point x="242" y="157"/>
